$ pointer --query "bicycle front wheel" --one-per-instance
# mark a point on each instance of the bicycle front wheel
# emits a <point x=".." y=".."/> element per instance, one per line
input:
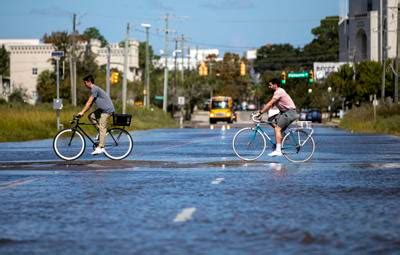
<point x="298" y="146"/>
<point x="69" y="144"/>
<point x="249" y="144"/>
<point x="118" y="143"/>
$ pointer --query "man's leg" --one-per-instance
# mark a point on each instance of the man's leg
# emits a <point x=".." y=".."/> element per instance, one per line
<point x="278" y="140"/>
<point x="93" y="118"/>
<point x="103" y="123"/>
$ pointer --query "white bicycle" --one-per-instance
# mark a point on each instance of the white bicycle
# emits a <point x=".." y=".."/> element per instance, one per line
<point x="297" y="145"/>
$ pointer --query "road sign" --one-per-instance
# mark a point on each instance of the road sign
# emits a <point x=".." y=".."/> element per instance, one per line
<point x="57" y="54"/>
<point x="158" y="97"/>
<point x="181" y="100"/>
<point x="298" y="75"/>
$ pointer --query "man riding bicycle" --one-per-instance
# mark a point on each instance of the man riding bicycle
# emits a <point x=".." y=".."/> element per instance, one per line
<point x="102" y="114"/>
<point x="287" y="114"/>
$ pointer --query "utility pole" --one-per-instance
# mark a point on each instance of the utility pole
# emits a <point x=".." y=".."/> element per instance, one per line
<point x="396" y="75"/>
<point x="175" y="66"/>
<point x="73" y="62"/>
<point x="124" y="80"/>
<point x="165" y="96"/>
<point x="147" y="74"/>
<point x="108" y="69"/>
<point x="381" y="30"/>
<point x="182" y="56"/>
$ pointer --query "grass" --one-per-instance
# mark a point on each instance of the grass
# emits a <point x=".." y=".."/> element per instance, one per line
<point x="25" y="122"/>
<point x="361" y="119"/>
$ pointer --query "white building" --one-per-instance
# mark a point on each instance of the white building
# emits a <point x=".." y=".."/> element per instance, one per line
<point x="30" y="57"/>
<point x="190" y="61"/>
<point x="117" y="57"/>
<point x="360" y="36"/>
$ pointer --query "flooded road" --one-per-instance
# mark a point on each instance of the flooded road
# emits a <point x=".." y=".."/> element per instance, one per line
<point x="183" y="191"/>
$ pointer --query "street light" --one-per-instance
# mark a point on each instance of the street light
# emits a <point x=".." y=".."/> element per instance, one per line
<point x="330" y="103"/>
<point x="147" y="74"/>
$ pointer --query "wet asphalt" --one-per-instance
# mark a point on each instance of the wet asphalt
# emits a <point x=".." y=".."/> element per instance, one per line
<point x="183" y="191"/>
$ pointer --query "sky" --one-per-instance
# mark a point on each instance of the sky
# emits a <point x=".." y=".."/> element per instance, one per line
<point x="228" y="25"/>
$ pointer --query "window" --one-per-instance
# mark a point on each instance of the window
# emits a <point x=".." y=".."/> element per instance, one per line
<point x="369" y="5"/>
<point x="34" y="71"/>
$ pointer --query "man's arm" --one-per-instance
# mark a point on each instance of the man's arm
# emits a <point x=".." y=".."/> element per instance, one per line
<point x="87" y="106"/>
<point x="268" y="106"/>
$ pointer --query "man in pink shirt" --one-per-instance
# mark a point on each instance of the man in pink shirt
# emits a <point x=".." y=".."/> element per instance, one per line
<point x="287" y="114"/>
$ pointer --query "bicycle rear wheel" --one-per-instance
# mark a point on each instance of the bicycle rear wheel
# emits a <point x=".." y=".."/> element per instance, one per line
<point x="69" y="144"/>
<point x="298" y="146"/>
<point x="249" y="144"/>
<point x="118" y="143"/>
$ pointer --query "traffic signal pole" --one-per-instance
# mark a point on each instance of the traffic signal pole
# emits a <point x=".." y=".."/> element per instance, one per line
<point x="124" y="81"/>
<point x="165" y="95"/>
<point x="108" y="69"/>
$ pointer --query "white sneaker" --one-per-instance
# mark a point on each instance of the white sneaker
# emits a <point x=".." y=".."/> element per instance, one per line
<point x="275" y="154"/>
<point x="97" y="151"/>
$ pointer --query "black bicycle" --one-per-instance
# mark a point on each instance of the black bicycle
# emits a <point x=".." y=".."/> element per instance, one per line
<point x="70" y="143"/>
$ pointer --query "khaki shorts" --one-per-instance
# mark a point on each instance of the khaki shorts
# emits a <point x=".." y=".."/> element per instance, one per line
<point x="284" y="119"/>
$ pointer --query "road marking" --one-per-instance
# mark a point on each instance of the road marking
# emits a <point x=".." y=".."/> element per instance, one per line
<point x="185" y="214"/>
<point x="217" y="181"/>
<point x="16" y="183"/>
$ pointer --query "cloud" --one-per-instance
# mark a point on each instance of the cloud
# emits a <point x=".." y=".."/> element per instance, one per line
<point x="51" y="11"/>
<point x="229" y="4"/>
<point x="159" y="5"/>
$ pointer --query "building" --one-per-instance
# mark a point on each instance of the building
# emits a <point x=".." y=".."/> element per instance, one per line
<point x="30" y="57"/>
<point x="360" y="34"/>
<point x="117" y="57"/>
<point x="190" y="61"/>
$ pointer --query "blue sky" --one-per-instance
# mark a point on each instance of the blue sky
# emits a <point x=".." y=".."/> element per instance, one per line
<point x="229" y="25"/>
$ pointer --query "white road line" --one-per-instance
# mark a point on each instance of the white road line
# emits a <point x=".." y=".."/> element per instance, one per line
<point x="18" y="183"/>
<point x="185" y="214"/>
<point x="217" y="181"/>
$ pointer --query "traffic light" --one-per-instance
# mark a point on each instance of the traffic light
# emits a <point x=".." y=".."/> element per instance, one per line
<point x="242" y="69"/>
<point x="114" y="77"/>
<point x="283" y="78"/>
<point x="310" y="77"/>
<point x="203" y="71"/>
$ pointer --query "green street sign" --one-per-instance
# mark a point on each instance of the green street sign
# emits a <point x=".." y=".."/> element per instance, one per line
<point x="158" y="97"/>
<point x="297" y="75"/>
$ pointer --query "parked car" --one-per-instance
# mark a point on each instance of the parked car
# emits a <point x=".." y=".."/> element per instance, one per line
<point x="314" y="115"/>
<point x="251" y="107"/>
<point x="303" y="115"/>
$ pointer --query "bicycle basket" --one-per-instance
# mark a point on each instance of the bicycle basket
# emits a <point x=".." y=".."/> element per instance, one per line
<point x="120" y="119"/>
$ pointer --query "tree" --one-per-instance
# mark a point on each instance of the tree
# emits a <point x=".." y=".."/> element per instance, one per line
<point x="60" y="41"/>
<point x="276" y="57"/>
<point x="94" y="33"/>
<point x="325" y="45"/>
<point x="46" y="84"/>
<point x="142" y="55"/>
<point x="4" y="62"/>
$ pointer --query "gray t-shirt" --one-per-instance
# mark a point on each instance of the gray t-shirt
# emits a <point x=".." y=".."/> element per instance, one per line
<point x="102" y="100"/>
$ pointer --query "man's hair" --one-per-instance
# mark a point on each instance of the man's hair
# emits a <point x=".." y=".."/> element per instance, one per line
<point x="275" y="81"/>
<point x="89" y="78"/>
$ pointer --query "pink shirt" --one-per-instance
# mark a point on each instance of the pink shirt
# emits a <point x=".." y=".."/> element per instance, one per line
<point x="283" y="101"/>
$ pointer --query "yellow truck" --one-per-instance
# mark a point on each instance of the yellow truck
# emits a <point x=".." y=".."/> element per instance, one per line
<point x="221" y="109"/>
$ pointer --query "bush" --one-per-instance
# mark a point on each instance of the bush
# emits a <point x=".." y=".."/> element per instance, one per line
<point x="21" y="122"/>
<point x="361" y="119"/>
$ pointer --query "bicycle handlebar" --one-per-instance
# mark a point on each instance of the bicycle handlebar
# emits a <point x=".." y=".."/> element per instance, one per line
<point x="255" y="117"/>
<point x="75" y="118"/>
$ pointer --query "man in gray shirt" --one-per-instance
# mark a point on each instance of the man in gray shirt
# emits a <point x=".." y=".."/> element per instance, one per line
<point x="102" y="114"/>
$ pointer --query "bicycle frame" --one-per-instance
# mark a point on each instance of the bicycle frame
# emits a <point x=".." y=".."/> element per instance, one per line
<point x="290" y="130"/>
<point x="76" y="126"/>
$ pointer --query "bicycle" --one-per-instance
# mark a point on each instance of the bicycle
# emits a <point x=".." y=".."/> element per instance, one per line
<point x="70" y="143"/>
<point x="297" y="145"/>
